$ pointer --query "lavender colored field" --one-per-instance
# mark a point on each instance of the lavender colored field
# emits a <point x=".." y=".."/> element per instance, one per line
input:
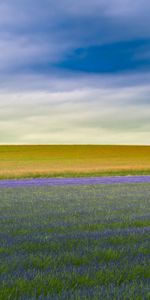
<point x="75" y="242"/>
<point x="73" y="181"/>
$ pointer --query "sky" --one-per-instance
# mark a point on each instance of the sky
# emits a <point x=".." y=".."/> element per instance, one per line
<point x="74" y="72"/>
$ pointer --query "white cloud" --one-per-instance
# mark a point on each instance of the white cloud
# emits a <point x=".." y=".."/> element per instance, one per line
<point x="85" y="115"/>
<point x="61" y="107"/>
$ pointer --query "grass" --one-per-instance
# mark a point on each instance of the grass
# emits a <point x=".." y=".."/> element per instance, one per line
<point x="73" y="161"/>
<point x="75" y="242"/>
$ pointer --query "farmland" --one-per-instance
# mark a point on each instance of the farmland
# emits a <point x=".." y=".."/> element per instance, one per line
<point x="73" y="161"/>
<point x="75" y="242"/>
<point x="73" y="238"/>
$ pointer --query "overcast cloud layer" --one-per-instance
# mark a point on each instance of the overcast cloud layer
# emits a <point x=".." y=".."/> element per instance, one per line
<point x="74" y="72"/>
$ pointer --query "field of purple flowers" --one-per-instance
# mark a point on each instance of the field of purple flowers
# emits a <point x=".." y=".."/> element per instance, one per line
<point x="75" y="242"/>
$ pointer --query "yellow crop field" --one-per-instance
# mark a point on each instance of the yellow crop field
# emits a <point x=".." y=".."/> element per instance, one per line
<point x="74" y="160"/>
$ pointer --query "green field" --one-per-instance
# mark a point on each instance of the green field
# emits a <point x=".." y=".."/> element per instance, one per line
<point x="85" y="160"/>
<point x="75" y="242"/>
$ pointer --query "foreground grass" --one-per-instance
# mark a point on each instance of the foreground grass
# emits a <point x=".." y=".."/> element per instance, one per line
<point x="73" y="161"/>
<point x="77" y="242"/>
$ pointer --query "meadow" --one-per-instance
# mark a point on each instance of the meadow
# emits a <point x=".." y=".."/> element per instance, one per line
<point x="75" y="242"/>
<point x="73" y="161"/>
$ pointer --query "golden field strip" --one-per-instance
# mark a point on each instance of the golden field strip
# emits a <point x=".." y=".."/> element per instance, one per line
<point x="73" y="160"/>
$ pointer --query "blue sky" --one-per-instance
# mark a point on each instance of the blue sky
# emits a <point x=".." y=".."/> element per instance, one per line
<point x="74" y="72"/>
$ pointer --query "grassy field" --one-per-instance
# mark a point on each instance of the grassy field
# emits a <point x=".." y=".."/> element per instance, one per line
<point x="77" y="242"/>
<point x="49" y="161"/>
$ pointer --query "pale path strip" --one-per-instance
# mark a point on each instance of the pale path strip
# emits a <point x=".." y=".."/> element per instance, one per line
<point x="73" y="181"/>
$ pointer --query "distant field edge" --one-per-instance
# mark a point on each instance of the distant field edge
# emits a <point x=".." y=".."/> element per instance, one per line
<point x="76" y="174"/>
